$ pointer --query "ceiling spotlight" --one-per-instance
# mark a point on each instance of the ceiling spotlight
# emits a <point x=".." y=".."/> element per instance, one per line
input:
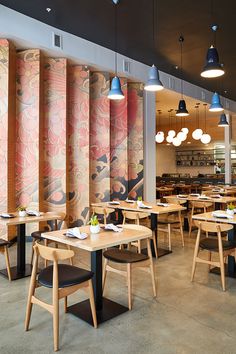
<point x="48" y="9"/>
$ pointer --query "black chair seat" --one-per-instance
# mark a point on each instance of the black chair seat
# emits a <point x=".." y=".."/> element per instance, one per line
<point x="37" y="235"/>
<point x="4" y="243"/>
<point x="124" y="256"/>
<point x="211" y="244"/>
<point x="68" y="275"/>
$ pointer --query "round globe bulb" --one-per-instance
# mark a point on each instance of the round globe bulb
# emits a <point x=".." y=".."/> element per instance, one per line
<point x="160" y="137"/>
<point x="169" y="139"/>
<point x="185" y="130"/>
<point x="171" y="133"/>
<point x="197" y="134"/>
<point x="206" y="138"/>
<point x="176" y="142"/>
<point x="181" y="136"/>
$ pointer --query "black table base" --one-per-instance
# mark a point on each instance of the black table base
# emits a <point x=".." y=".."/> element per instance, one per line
<point x="228" y="273"/>
<point x="162" y="252"/>
<point x="16" y="273"/>
<point x="110" y="309"/>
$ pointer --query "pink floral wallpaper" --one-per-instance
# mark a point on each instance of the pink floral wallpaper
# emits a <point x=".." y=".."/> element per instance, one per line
<point x="135" y="139"/>
<point x="99" y="137"/>
<point x="78" y="145"/>
<point x="55" y="139"/>
<point x="27" y="128"/>
<point x="119" y="146"/>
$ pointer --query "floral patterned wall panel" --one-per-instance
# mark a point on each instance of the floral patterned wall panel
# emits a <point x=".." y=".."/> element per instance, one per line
<point x="27" y="128"/>
<point x="118" y="146"/>
<point x="135" y="139"/>
<point x="78" y="146"/>
<point x="99" y="137"/>
<point x="55" y="141"/>
<point x="7" y="128"/>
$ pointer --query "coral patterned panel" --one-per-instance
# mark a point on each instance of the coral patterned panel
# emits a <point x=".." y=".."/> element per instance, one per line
<point x="78" y="146"/>
<point x="99" y="137"/>
<point x="27" y="127"/>
<point x="119" y="142"/>
<point x="135" y="139"/>
<point x="55" y="144"/>
<point x="7" y="128"/>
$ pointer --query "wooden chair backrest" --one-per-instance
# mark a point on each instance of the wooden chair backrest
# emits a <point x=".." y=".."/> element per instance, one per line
<point x="102" y="211"/>
<point x="175" y="201"/>
<point x="201" y="205"/>
<point x="138" y="228"/>
<point x="213" y="227"/>
<point x="52" y="254"/>
<point x="133" y="215"/>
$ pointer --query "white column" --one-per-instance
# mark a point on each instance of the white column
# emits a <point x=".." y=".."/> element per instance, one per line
<point x="149" y="147"/>
<point x="228" y="130"/>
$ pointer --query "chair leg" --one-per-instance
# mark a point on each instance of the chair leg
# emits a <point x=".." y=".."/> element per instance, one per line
<point x="139" y="246"/>
<point x="104" y="275"/>
<point x="195" y="254"/>
<point x="129" y="280"/>
<point x="209" y="259"/>
<point x="56" y="321"/>
<point x="7" y="263"/>
<point x="32" y="251"/>
<point x="92" y="303"/>
<point x="190" y="223"/>
<point x="169" y="237"/>
<point x="65" y="304"/>
<point x="71" y="259"/>
<point x="181" y="229"/>
<point x="152" y="269"/>
<point x="31" y="293"/>
<point x="222" y="270"/>
<point x="45" y="260"/>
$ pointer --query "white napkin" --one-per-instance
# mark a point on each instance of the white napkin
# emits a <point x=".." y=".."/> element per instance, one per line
<point x="33" y="212"/>
<point x="75" y="232"/>
<point x="182" y="196"/>
<point x="203" y="197"/>
<point x="221" y="214"/>
<point x="194" y="195"/>
<point x="215" y="196"/>
<point x="6" y="215"/>
<point x="144" y="206"/>
<point x="129" y="201"/>
<point x="113" y="228"/>
<point x="163" y="204"/>
<point x="114" y="202"/>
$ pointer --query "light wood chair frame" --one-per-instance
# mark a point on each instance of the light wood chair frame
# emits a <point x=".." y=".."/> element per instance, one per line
<point x="55" y="255"/>
<point x="103" y="211"/>
<point x="4" y="251"/>
<point x="126" y="269"/>
<point x="204" y="206"/>
<point x="217" y="229"/>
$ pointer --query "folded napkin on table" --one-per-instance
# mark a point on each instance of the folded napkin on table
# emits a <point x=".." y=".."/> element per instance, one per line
<point x="33" y="212"/>
<point x="113" y="228"/>
<point x="75" y="232"/>
<point x="129" y="200"/>
<point x="7" y="215"/>
<point x="144" y="206"/>
<point x="221" y="214"/>
<point x="114" y="202"/>
<point x="163" y="204"/>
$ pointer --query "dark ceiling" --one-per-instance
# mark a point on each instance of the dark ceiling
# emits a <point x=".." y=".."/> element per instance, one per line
<point x="94" y="20"/>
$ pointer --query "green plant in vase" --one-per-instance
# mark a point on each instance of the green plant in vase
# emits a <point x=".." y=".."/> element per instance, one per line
<point x="94" y="224"/>
<point x="230" y="209"/>
<point x="139" y="201"/>
<point x="21" y="210"/>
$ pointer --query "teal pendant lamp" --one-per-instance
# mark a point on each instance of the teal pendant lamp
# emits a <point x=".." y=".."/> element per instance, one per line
<point x="223" y="121"/>
<point x="154" y="83"/>
<point x="213" y="68"/>
<point x="115" y="92"/>
<point x="216" y="106"/>
<point x="182" y="110"/>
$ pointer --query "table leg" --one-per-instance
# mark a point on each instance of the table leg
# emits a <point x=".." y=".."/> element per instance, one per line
<point x="22" y="269"/>
<point x="160" y="251"/>
<point x="105" y="308"/>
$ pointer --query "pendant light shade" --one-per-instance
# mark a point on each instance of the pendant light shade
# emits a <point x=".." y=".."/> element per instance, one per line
<point x="115" y="92"/>
<point x="223" y="121"/>
<point x="182" y="110"/>
<point x="212" y="68"/>
<point x="216" y="106"/>
<point x="154" y="83"/>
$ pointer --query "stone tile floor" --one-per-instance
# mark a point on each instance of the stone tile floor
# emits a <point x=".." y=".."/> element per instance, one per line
<point x="184" y="318"/>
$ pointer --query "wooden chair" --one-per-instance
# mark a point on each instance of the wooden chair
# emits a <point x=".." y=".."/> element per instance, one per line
<point x="124" y="261"/>
<point x="63" y="279"/>
<point x="4" y="250"/>
<point x="37" y="235"/>
<point x="136" y="217"/>
<point x="213" y="245"/>
<point x="200" y="207"/>
<point x="105" y="212"/>
<point x="172" y="222"/>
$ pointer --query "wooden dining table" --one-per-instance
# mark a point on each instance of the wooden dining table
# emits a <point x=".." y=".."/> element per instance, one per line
<point x="215" y="200"/>
<point x="231" y="265"/>
<point x="154" y="211"/>
<point x="95" y="244"/>
<point x="22" y="269"/>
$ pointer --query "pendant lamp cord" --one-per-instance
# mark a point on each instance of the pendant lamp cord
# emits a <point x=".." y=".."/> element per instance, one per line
<point x="116" y="39"/>
<point x="205" y="116"/>
<point x="181" y="39"/>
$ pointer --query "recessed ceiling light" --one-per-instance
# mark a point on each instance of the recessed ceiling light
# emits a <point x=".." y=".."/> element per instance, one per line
<point x="48" y="9"/>
<point x="188" y="142"/>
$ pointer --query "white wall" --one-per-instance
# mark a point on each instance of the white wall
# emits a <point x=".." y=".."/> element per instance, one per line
<point x="165" y="159"/>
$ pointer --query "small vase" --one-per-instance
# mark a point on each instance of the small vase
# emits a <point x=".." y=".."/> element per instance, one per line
<point x="139" y="203"/>
<point x="230" y="212"/>
<point x="22" y="213"/>
<point x="94" y="229"/>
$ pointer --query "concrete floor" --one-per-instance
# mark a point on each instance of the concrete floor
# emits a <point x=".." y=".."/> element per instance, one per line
<point x="185" y="318"/>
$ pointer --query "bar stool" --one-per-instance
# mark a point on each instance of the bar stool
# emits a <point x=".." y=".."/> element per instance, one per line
<point x="200" y="207"/>
<point x="213" y="245"/>
<point x="63" y="279"/>
<point x="137" y="217"/>
<point x="171" y="223"/>
<point x="122" y="262"/>
<point x="4" y="250"/>
<point x="105" y="212"/>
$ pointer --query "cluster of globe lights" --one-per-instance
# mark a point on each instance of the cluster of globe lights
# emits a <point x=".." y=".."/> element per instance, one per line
<point x="177" y="139"/>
